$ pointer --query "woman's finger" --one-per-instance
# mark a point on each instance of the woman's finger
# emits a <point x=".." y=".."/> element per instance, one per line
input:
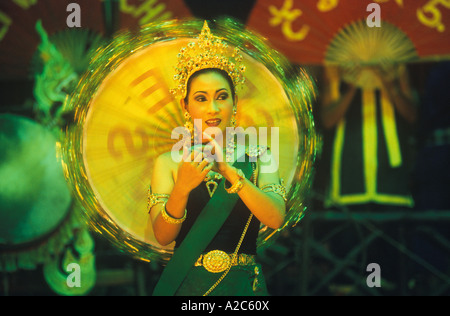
<point x="207" y="168"/>
<point x="216" y="150"/>
<point x="197" y="156"/>
<point x="208" y="149"/>
<point x="186" y="155"/>
<point x="203" y="163"/>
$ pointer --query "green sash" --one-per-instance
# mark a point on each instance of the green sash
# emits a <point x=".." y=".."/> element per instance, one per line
<point x="208" y="223"/>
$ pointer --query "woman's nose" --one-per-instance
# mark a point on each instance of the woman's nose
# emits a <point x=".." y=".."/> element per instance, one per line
<point x="213" y="107"/>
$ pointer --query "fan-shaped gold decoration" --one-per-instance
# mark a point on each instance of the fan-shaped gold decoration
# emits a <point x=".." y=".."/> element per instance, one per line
<point x="358" y="45"/>
<point x="126" y="114"/>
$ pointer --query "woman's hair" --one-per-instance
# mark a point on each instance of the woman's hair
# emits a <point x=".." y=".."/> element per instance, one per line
<point x="221" y="72"/>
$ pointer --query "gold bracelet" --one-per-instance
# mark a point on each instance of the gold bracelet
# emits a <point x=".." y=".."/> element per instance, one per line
<point x="170" y="219"/>
<point x="237" y="186"/>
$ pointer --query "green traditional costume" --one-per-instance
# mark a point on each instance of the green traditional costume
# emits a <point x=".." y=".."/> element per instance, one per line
<point x="220" y="231"/>
<point x="215" y="248"/>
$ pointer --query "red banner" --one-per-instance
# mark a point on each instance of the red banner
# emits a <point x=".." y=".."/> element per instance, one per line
<point x="303" y="30"/>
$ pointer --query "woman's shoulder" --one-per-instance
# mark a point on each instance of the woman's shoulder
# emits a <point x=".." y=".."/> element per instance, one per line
<point x="165" y="160"/>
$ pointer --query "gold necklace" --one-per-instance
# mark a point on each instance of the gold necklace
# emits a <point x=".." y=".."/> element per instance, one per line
<point x="211" y="184"/>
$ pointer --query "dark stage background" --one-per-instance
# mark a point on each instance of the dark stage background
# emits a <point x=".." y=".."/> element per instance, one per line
<point x="328" y="251"/>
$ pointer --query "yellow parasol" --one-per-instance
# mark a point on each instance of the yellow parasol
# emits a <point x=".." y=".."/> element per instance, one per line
<point x="125" y="116"/>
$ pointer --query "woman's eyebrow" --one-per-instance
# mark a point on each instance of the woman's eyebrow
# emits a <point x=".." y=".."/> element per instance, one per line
<point x="217" y="91"/>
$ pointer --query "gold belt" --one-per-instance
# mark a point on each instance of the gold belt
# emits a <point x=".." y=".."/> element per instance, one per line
<point x="217" y="261"/>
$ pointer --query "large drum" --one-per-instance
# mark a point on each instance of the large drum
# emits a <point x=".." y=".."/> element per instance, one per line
<point x="34" y="195"/>
<point x="40" y="225"/>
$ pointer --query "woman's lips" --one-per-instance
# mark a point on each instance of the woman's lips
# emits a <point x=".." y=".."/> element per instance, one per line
<point x="213" y="122"/>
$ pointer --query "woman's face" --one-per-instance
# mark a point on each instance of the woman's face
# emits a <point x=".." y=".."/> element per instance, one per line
<point x="210" y="100"/>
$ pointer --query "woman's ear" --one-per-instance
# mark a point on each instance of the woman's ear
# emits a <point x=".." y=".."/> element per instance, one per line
<point x="184" y="106"/>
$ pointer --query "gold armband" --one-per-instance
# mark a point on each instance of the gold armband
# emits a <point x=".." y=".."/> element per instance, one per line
<point x="276" y="188"/>
<point x="154" y="198"/>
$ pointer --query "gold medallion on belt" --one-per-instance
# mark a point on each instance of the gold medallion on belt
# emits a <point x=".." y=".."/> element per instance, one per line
<point x="217" y="261"/>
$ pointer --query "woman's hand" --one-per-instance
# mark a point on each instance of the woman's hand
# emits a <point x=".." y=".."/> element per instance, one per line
<point x="214" y="152"/>
<point x="191" y="172"/>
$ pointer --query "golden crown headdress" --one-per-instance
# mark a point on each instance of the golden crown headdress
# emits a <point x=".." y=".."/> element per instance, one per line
<point x="208" y="51"/>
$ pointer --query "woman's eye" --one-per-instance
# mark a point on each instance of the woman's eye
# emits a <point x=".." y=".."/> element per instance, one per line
<point x="223" y="96"/>
<point x="200" y="99"/>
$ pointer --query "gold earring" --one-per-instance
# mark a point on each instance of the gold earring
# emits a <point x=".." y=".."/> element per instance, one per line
<point x="233" y="117"/>
<point x="188" y="123"/>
